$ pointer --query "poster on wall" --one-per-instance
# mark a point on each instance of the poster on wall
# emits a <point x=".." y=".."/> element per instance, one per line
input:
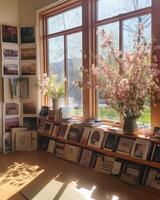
<point x="19" y="87"/>
<point x="10" y="52"/>
<point x="28" y="53"/>
<point x="9" y="34"/>
<point x="28" y="68"/>
<point x="27" y="34"/>
<point x="11" y="109"/>
<point x="10" y="68"/>
<point x="29" y="108"/>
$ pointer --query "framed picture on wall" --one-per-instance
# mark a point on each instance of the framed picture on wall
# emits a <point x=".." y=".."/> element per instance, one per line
<point x="29" y="108"/>
<point x="10" y="52"/>
<point x="28" y="53"/>
<point x="10" y="68"/>
<point x="11" y="109"/>
<point x="9" y="34"/>
<point x="28" y="68"/>
<point x="28" y="34"/>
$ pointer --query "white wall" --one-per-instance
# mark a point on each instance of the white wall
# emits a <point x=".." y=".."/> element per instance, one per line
<point x="9" y="16"/>
<point x="22" y="13"/>
<point x="28" y="8"/>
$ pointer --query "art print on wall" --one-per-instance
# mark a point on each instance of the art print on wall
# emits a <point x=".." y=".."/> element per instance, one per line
<point x="19" y="87"/>
<point x="11" y="123"/>
<point x="10" y="53"/>
<point x="9" y="34"/>
<point x="28" y="68"/>
<point x="29" y="108"/>
<point x="27" y="34"/>
<point x="28" y="53"/>
<point x="10" y="68"/>
<point x="11" y="109"/>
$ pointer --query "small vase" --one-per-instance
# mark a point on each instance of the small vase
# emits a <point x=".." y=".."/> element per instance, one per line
<point x="56" y="104"/>
<point x="129" y="126"/>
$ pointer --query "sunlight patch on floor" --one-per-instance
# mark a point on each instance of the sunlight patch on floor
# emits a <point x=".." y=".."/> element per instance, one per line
<point x="16" y="176"/>
<point x="72" y="192"/>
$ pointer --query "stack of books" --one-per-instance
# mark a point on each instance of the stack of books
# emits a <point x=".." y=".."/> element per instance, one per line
<point x="75" y="133"/>
<point x="72" y="153"/>
<point x="106" y="165"/>
<point x="132" y="173"/>
<point x="86" y="157"/>
<point x="59" y="150"/>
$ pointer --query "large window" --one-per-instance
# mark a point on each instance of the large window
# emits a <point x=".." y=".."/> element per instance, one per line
<point x="70" y="42"/>
<point x="64" y="55"/>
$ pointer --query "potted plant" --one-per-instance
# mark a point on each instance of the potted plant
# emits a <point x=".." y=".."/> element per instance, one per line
<point x="130" y="83"/>
<point x="50" y="87"/>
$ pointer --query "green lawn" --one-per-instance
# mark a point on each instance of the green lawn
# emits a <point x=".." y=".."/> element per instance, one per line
<point x="111" y="114"/>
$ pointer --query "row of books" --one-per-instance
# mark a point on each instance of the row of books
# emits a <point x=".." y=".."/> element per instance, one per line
<point x="127" y="171"/>
<point x="102" y="137"/>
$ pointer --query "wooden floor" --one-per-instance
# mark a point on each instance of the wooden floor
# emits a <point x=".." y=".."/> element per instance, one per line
<point x="22" y="172"/>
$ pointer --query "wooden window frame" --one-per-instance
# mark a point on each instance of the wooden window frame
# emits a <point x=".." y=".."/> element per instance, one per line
<point x="118" y="18"/>
<point x="89" y="24"/>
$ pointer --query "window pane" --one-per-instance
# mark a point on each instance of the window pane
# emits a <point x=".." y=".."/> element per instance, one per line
<point x="130" y="28"/>
<point x="145" y="119"/>
<point x="56" y="56"/>
<point x="110" y="8"/>
<point x="65" y="20"/>
<point x="113" y="30"/>
<point x="74" y="63"/>
<point x="56" y="60"/>
<point x="104" y="111"/>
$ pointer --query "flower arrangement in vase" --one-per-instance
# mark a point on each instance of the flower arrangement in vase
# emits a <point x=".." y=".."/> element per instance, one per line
<point x="130" y="83"/>
<point x="50" y="87"/>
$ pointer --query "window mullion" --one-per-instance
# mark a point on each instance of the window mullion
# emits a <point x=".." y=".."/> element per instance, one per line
<point x="66" y="70"/>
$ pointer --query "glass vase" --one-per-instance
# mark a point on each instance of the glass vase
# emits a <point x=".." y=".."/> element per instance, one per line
<point x="129" y="126"/>
<point x="55" y="104"/>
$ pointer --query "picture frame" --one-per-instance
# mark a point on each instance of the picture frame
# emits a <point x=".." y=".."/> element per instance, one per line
<point x="11" y="109"/>
<point x="28" y="53"/>
<point x="26" y="140"/>
<point x="41" y="127"/>
<point x="28" y="68"/>
<point x="10" y="52"/>
<point x="9" y="34"/>
<point x="7" y="142"/>
<point x="29" y="108"/>
<point x="10" y="68"/>
<point x="13" y="133"/>
<point x="85" y="135"/>
<point x="30" y="123"/>
<point x="64" y="130"/>
<point x="125" y="145"/>
<point x="155" y="183"/>
<point x="11" y="123"/>
<point x="27" y="34"/>
<point x="156" y="153"/>
<point x="156" y="132"/>
<point x="140" y="149"/>
<point x="19" y="87"/>
<point x="96" y="137"/>
<point x="110" y="141"/>
<point x="44" y="111"/>
<point x="48" y="128"/>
